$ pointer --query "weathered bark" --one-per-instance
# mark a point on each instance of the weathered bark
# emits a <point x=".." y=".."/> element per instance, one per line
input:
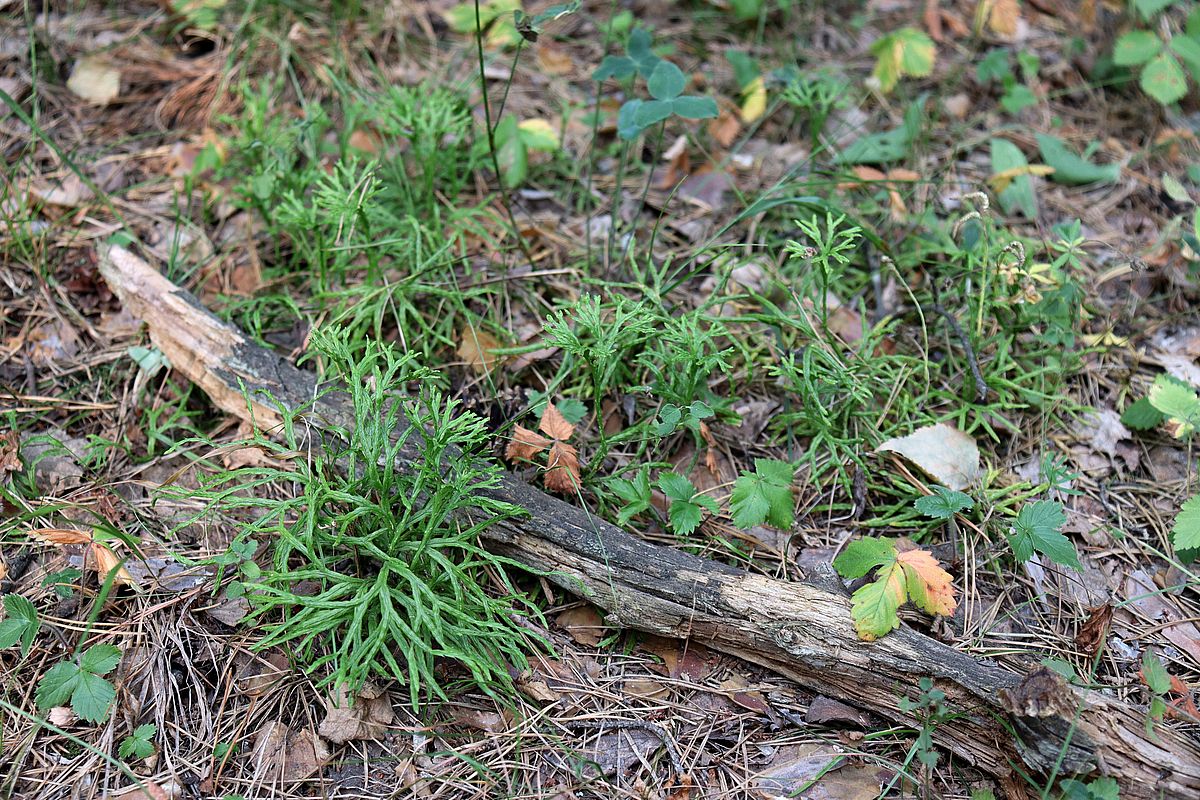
<point x="801" y="630"/>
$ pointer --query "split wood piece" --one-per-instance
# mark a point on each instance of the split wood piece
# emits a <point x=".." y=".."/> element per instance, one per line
<point x="801" y="630"/>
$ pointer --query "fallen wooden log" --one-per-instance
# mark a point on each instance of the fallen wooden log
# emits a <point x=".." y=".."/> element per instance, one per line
<point x="801" y="630"/>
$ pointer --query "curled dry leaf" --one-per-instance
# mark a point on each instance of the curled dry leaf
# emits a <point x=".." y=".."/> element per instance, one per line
<point x="478" y="349"/>
<point x="554" y="424"/>
<point x="562" y="461"/>
<point x="525" y="444"/>
<point x="283" y="754"/>
<point x="562" y="469"/>
<point x="95" y="79"/>
<point x="10" y="452"/>
<point x="364" y="715"/>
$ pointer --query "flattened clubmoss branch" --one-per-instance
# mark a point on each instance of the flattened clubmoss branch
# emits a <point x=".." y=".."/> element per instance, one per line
<point x="389" y="551"/>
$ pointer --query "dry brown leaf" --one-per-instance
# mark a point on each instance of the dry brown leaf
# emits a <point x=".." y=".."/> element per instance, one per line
<point x="1094" y="630"/>
<point x="476" y="718"/>
<point x="1003" y="16"/>
<point x="62" y="716"/>
<point x="554" y="424"/>
<point x="826" y="711"/>
<point x="61" y="536"/>
<point x="932" y="18"/>
<point x="147" y="791"/>
<point x="107" y="561"/>
<point x="725" y="128"/>
<point x="562" y="469"/>
<point x="737" y="688"/>
<point x="95" y="79"/>
<point x="478" y="349"/>
<point x="678" y="164"/>
<point x="535" y="688"/>
<point x="646" y="688"/>
<point x="283" y="754"/>
<point x="10" y="452"/>
<point x="70" y="192"/>
<point x="525" y="444"/>
<point x="259" y="674"/>
<point x="583" y="624"/>
<point x="364" y="715"/>
<point x="253" y="456"/>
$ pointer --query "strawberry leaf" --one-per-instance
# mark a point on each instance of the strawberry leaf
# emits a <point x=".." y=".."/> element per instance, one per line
<point x="764" y="496"/>
<point x="1186" y="533"/>
<point x="1037" y="528"/>
<point x="943" y="503"/>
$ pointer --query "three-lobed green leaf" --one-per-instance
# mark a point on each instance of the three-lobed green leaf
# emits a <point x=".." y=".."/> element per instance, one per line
<point x="943" y="503"/>
<point x="1037" y="528"/>
<point x="140" y="744"/>
<point x="687" y="505"/>
<point x="81" y="682"/>
<point x="764" y="496"/>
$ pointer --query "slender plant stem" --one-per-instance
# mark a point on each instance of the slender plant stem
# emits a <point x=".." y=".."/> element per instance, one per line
<point x="491" y="134"/>
<point x="658" y="140"/>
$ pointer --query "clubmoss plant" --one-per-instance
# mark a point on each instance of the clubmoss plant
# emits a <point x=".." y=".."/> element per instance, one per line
<point x="388" y="551"/>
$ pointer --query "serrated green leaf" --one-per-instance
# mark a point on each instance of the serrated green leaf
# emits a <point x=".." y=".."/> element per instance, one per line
<point x="1037" y="528"/>
<point x="92" y="697"/>
<point x="1017" y="98"/>
<point x="873" y="607"/>
<point x="57" y="685"/>
<point x="994" y="66"/>
<point x="20" y="623"/>
<point x="666" y="82"/>
<point x="1141" y="415"/>
<point x="572" y="410"/>
<point x="863" y="555"/>
<point x="676" y="486"/>
<point x="1164" y="79"/>
<point x="1148" y="8"/>
<point x="685" y="516"/>
<point x="691" y="106"/>
<point x="764" y="496"/>
<point x="139" y="744"/>
<point x="100" y="659"/>
<point x="1186" y="533"/>
<point x="943" y="503"/>
<point x="781" y="473"/>
<point x="1019" y="195"/>
<point x="1136" y="47"/>
<point x="1070" y="168"/>
<point x="1177" y="402"/>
